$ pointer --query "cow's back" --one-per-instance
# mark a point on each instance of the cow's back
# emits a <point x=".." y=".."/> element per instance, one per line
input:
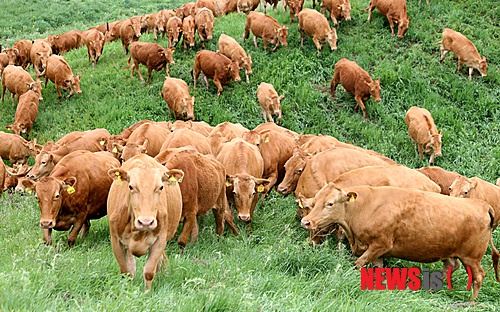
<point x="185" y="137"/>
<point x="239" y="156"/>
<point x="155" y="135"/>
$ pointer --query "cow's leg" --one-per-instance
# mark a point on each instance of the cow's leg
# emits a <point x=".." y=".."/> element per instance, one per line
<point x="136" y="65"/>
<point x="150" y="69"/>
<point x="369" y="9"/>
<point x="374" y="251"/>
<point x="187" y="226"/>
<point x="334" y="19"/>
<point x="431" y="158"/>
<point x="470" y="73"/>
<point x="77" y="226"/>
<point x="195" y="77"/>
<point x="443" y="53"/>
<point x="317" y="43"/>
<point x="228" y="215"/>
<point x="167" y="70"/>
<point x="85" y="228"/>
<point x="218" y="212"/>
<point x="59" y="95"/>
<point x="459" y="65"/>
<point x="334" y="83"/>
<point x="155" y="254"/>
<point x="360" y="103"/>
<point x="264" y="115"/>
<point x="450" y="263"/>
<point x="218" y="85"/>
<point x="246" y="74"/>
<point x="478" y="275"/>
<point x="47" y="236"/>
<point x="391" y="23"/>
<point x="121" y="256"/>
<point x="206" y="82"/>
<point x="255" y="42"/>
<point x="12" y="97"/>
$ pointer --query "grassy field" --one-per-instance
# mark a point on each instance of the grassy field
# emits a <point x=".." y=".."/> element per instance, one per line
<point x="273" y="269"/>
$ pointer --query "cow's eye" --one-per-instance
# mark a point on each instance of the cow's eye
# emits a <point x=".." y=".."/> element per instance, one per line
<point x="130" y="187"/>
<point x="161" y="188"/>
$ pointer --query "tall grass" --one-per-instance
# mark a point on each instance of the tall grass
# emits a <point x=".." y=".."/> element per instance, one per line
<point x="273" y="269"/>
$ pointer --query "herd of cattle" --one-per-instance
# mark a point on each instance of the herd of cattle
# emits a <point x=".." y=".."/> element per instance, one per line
<point x="154" y="176"/>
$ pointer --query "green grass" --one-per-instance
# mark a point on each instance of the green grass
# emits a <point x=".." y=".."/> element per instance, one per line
<point x="273" y="269"/>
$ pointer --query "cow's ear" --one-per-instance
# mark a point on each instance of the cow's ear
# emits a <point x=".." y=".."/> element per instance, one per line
<point x="441" y="132"/>
<point x="118" y="174"/>
<point x="69" y="185"/>
<point x="9" y="127"/>
<point x="173" y="49"/>
<point x="473" y="183"/>
<point x="264" y="135"/>
<point x="281" y="96"/>
<point x="193" y="98"/>
<point x="51" y="157"/>
<point x="118" y="147"/>
<point x="339" y="7"/>
<point x="229" y="180"/>
<point x="172" y="176"/>
<point x="260" y="185"/>
<point x="351" y="196"/>
<point x="144" y="147"/>
<point x="29" y="185"/>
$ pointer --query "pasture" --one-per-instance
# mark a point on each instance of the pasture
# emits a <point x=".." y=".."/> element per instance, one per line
<point x="273" y="268"/>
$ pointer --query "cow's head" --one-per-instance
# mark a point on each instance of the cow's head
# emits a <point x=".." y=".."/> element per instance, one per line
<point x="36" y="87"/>
<point x="168" y="55"/>
<point x="374" y="87"/>
<point x="294" y="167"/>
<point x="275" y="104"/>
<point x="209" y="28"/>
<point x="246" y="63"/>
<point x="17" y="128"/>
<point x="145" y="186"/>
<point x="50" y="193"/>
<point x="282" y="34"/>
<point x="252" y="137"/>
<point x="434" y="145"/>
<point x="112" y="143"/>
<point x="131" y="149"/>
<point x="44" y="163"/>
<point x="188" y="108"/>
<point x="245" y="189"/>
<point x="483" y="65"/>
<point x="234" y="70"/>
<point x="12" y="55"/>
<point x="73" y="83"/>
<point x="462" y="187"/>
<point x="332" y="39"/>
<point x="403" y="26"/>
<point x="188" y="36"/>
<point x="136" y="27"/>
<point x="345" y="8"/>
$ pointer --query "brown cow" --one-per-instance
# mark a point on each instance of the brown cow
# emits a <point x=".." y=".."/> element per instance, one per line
<point x="233" y="50"/>
<point x="129" y="31"/>
<point x="315" y="25"/>
<point x="153" y="55"/>
<point x="339" y="9"/>
<point x="295" y="7"/>
<point x="273" y="126"/>
<point x="274" y="3"/>
<point x="394" y="10"/>
<point x="267" y="28"/>
<point x="205" y="21"/>
<point x="24" y="49"/>
<point x="423" y="132"/>
<point x="94" y="40"/>
<point x="39" y="53"/>
<point x="246" y="6"/>
<point x="219" y="6"/>
<point x="26" y="113"/>
<point x="147" y="138"/>
<point x="67" y="41"/>
<point x="198" y="126"/>
<point x="440" y="176"/>
<point x="372" y="218"/>
<point x="188" y="30"/>
<point x="175" y="92"/>
<point x="230" y="7"/>
<point x="4" y="61"/>
<point x="216" y="66"/>
<point x="59" y="72"/>
<point x="74" y="193"/>
<point x="244" y="168"/>
<point x="209" y="4"/>
<point x="203" y="189"/>
<point x="144" y="210"/>
<point x="185" y="10"/>
<point x="174" y="31"/>
<point x="464" y="49"/>
<point x="269" y="101"/>
<point x="19" y="81"/>
<point x="111" y="30"/>
<point x="223" y="133"/>
<point x="3" y="174"/>
<point x="355" y="80"/>
<point x="185" y="137"/>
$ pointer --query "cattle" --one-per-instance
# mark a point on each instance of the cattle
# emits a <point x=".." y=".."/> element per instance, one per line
<point x="315" y="25"/>
<point x="203" y="189"/>
<point x="269" y="101"/>
<point x="154" y="24"/>
<point x="204" y="20"/>
<point x="233" y="50"/>
<point x="128" y="31"/>
<point x="244" y="168"/>
<point x="464" y="49"/>
<point x="111" y="30"/>
<point x="246" y="6"/>
<point x="10" y="57"/>
<point x="423" y="132"/>
<point x="357" y="81"/>
<point x="216" y="66"/>
<point x="60" y="73"/>
<point x="267" y="28"/>
<point x="185" y="10"/>
<point x="18" y="81"/>
<point x="62" y="43"/>
<point x="175" y="92"/>
<point x="75" y="193"/>
<point x="295" y="7"/>
<point x="223" y="133"/>
<point x="23" y="47"/>
<point x="174" y="31"/>
<point x="4" y="61"/>
<point x="209" y="4"/>
<point x="198" y="126"/>
<point x="440" y="176"/>
<point x="39" y="53"/>
<point x="3" y="173"/>
<point x="147" y="138"/>
<point x="162" y="18"/>
<point x="274" y="3"/>
<point x="186" y="137"/>
<point x="272" y="126"/>
<point x="26" y="113"/>
<point x="477" y="188"/>
<point x="394" y="10"/>
<point x="188" y="30"/>
<point x="339" y="10"/>
<point x="94" y="40"/>
<point x="16" y="178"/>
<point x="144" y="208"/>
<point x="372" y="218"/>
<point x="153" y="55"/>
<point x="219" y="6"/>
<point x="230" y="6"/>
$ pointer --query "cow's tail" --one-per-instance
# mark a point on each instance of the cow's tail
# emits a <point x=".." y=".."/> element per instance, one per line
<point x="495" y="255"/>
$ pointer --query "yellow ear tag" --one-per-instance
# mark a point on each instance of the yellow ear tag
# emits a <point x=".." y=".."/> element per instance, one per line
<point x="102" y="142"/>
<point x="29" y="191"/>
<point x="70" y="190"/>
<point x="300" y="204"/>
<point x="228" y="184"/>
<point x="260" y="188"/>
<point x="352" y="199"/>
<point x="115" y="150"/>
<point x="172" y="180"/>
<point x="118" y="178"/>
<point x="266" y="140"/>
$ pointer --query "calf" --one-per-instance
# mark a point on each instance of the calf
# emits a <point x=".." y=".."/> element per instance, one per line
<point x="188" y="30"/>
<point x="204" y="20"/>
<point x="23" y="56"/>
<point x="464" y="49"/>
<point x="147" y="138"/>
<point x="440" y="176"/>
<point x="19" y="81"/>
<point x="315" y="25"/>
<point x="267" y="28"/>
<point x="59" y="72"/>
<point x="233" y="50"/>
<point x="129" y="31"/>
<point x="26" y="113"/>
<point x="339" y="10"/>
<point x="174" y="31"/>
<point x="355" y="80"/>
<point x="394" y="10"/>
<point x="269" y="101"/>
<point x="423" y="132"/>
<point x="144" y="209"/>
<point x="94" y="40"/>
<point x="153" y="55"/>
<point x="67" y="41"/>
<point x="295" y="7"/>
<point x="39" y="53"/>
<point x="175" y="92"/>
<point x="223" y="133"/>
<point x="215" y="66"/>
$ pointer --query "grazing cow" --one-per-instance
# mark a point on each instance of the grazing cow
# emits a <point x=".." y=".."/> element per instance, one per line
<point x="464" y="49"/>
<point x="295" y="7"/>
<point x="274" y="3"/>
<point x="144" y="210"/>
<point x="357" y="81"/>
<point x="205" y="21"/>
<point x="267" y="28"/>
<point x="394" y="10"/>
<point x="67" y="41"/>
<point x="339" y="10"/>
<point x="59" y="72"/>
<point x="26" y="113"/>
<point x="174" y="31"/>
<point x="372" y="217"/>
<point x="188" y="30"/>
<point x="129" y="31"/>
<point x="23" y="52"/>
<point x="151" y="54"/>
<point x="185" y="137"/>
<point x="246" y="6"/>
<point x="39" y="53"/>
<point x="440" y="176"/>
<point x="19" y="81"/>
<point x="216" y="66"/>
<point x="198" y="126"/>
<point x="423" y="132"/>
<point x="477" y="188"/>
<point x="203" y="189"/>
<point x="244" y="168"/>
<point x="75" y="193"/>
<point x="315" y="25"/>
<point x="223" y="133"/>
<point x="269" y="101"/>
<point x="175" y="92"/>
<point x="94" y="40"/>
<point x="147" y="138"/>
<point x="233" y="50"/>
